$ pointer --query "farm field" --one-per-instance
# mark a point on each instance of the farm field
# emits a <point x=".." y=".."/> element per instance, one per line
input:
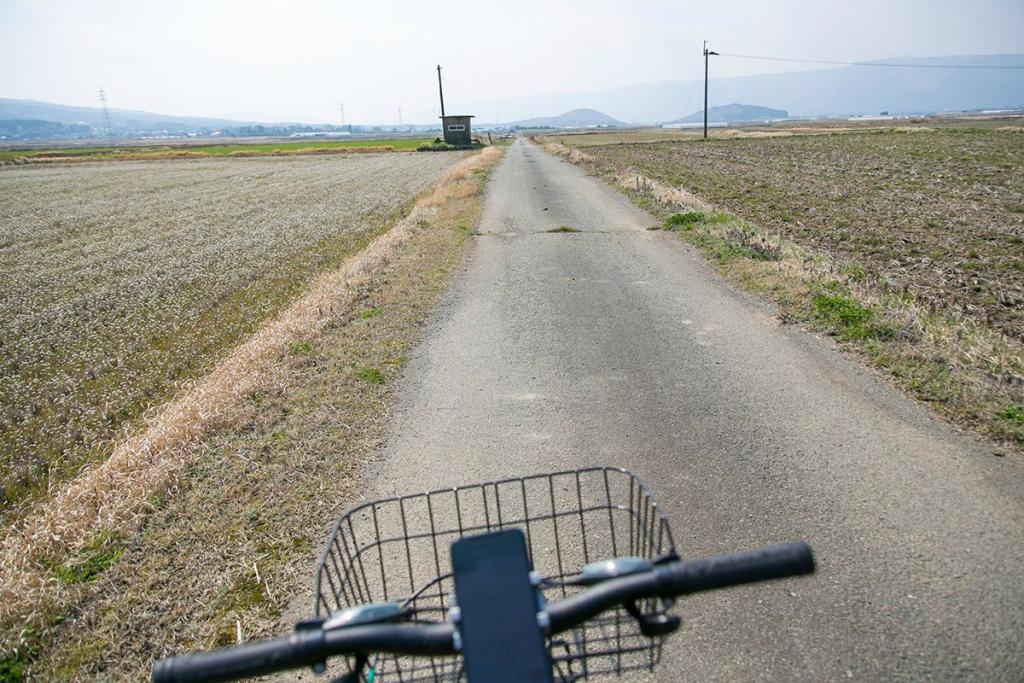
<point x="185" y="151"/>
<point x="939" y="214"/>
<point x="592" y="138"/>
<point x="929" y="220"/>
<point x="123" y="279"/>
<point x="611" y="137"/>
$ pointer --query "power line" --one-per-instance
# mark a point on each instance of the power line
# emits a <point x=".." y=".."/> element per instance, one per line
<point x="882" y="64"/>
<point x="786" y="48"/>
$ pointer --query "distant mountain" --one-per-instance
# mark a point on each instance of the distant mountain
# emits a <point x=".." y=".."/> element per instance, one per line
<point x="840" y="91"/>
<point x="577" y="118"/>
<point x="734" y="113"/>
<point x="93" y="116"/>
<point x="25" y="120"/>
<point x="35" y="129"/>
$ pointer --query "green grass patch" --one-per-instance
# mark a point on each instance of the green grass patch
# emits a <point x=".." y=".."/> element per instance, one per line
<point x="103" y="551"/>
<point x="1013" y="414"/>
<point x="301" y="348"/>
<point x="843" y="313"/>
<point x="690" y="219"/>
<point x="845" y="317"/>
<point x="370" y="374"/>
<point x="368" y="313"/>
<point x="14" y="665"/>
<point x="683" y="221"/>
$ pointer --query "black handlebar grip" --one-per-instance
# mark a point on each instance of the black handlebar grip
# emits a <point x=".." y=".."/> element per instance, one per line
<point x="774" y="562"/>
<point x="303" y="648"/>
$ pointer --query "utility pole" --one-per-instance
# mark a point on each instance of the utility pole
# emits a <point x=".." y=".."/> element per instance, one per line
<point x="440" y="89"/>
<point x="707" y="53"/>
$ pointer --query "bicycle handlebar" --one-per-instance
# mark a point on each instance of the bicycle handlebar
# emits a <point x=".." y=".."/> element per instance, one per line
<point x="302" y="648"/>
<point x="305" y="648"/>
<point x="683" y="578"/>
<point x="309" y="647"/>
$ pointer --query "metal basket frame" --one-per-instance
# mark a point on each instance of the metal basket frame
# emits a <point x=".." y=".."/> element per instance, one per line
<point x="398" y="549"/>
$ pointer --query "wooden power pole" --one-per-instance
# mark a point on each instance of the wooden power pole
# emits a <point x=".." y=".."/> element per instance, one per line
<point x="707" y="53"/>
<point x="440" y="89"/>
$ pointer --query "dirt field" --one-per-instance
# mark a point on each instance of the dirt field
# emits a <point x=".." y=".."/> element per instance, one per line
<point x="611" y="136"/>
<point x="188" y="150"/>
<point x="123" y="279"/>
<point x="937" y="214"/>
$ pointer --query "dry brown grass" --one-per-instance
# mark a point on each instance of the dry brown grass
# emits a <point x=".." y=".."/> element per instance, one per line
<point x="663" y="193"/>
<point x="115" y="496"/>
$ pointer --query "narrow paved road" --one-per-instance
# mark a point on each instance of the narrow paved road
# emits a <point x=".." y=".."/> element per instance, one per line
<point x="619" y="346"/>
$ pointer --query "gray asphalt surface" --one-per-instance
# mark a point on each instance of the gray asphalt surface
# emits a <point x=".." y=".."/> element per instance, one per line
<point x="620" y="346"/>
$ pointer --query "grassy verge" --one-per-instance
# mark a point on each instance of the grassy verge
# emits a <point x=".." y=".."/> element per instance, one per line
<point x="965" y="371"/>
<point x="219" y="547"/>
<point x="199" y="151"/>
<point x="439" y="145"/>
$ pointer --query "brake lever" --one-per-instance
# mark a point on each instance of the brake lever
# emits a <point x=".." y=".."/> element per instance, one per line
<point x="653" y="625"/>
<point x="356" y="674"/>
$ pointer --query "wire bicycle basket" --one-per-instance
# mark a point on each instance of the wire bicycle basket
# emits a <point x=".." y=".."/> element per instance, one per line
<point x="397" y="549"/>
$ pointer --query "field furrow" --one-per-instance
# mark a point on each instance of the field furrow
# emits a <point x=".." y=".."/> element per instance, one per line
<point x="123" y="279"/>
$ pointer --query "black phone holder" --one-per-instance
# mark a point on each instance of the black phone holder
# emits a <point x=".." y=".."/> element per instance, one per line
<point x="496" y="610"/>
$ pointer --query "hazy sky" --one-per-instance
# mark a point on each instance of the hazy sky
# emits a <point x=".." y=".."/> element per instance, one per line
<point x="297" y="60"/>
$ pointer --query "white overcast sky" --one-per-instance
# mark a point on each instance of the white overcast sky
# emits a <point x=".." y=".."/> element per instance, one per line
<point x="297" y="60"/>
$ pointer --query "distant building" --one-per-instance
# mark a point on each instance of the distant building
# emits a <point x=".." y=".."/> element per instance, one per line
<point x="713" y="124"/>
<point x="456" y="129"/>
<point x="322" y="134"/>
